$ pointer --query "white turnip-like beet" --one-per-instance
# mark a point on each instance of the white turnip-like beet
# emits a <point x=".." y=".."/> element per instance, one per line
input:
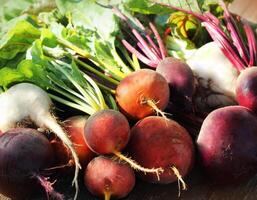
<point x="24" y="155"/>
<point x="227" y="144"/>
<point x="159" y="142"/>
<point x="107" y="178"/>
<point x="216" y="76"/>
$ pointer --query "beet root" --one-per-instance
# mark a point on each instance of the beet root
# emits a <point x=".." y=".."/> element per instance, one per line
<point x="24" y="154"/>
<point x="142" y="93"/>
<point x="180" y="79"/>
<point x="227" y="144"/>
<point x="159" y="142"/>
<point x="246" y="92"/>
<point x="107" y="131"/>
<point x="107" y="178"/>
<point x="75" y="130"/>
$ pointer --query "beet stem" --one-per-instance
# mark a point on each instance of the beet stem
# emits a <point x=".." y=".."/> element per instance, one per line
<point x="48" y="187"/>
<point x="159" y="41"/>
<point x="138" y="54"/>
<point x="153" y="104"/>
<point x="155" y="48"/>
<point x="49" y="122"/>
<point x="149" y="54"/>
<point x="69" y="164"/>
<point x="180" y="180"/>
<point x="107" y="195"/>
<point x="251" y="43"/>
<point x="136" y="166"/>
<point x="156" y="58"/>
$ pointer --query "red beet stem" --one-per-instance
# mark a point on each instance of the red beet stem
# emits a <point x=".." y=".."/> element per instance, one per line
<point x="251" y="44"/>
<point x="159" y="41"/>
<point x="139" y="55"/>
<point x="48" y="187"/>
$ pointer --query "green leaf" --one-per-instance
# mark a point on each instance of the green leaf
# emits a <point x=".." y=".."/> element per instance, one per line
<point x="13" y="63"/>
<point x="146" y="7"/>
<point x="10" y="76"/>
<point x="89" y="15"/>
<point x="149" y="7"/>
<point x="12" y="8"/>
<point x="18" y="39"/>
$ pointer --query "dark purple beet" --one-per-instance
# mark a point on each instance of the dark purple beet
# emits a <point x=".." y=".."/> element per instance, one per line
<point x="227" y="144"/>
<point x="246" y="88"/>
<point x="24" y="153"/>
<point x="180" y="78"/>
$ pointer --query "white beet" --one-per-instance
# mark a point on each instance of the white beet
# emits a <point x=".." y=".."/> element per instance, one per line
<point x="215" y="72"/>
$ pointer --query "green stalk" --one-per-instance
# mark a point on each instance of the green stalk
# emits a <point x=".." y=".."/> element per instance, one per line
<point x="67" y="89"/>
<point x="133" y="62"/>
<point x="97" y="91"/>
<point x="78" y="50"/>
<point x="118" y="75"/>
<point x="71" y="97"/>
<point x="120" y="62"/>
<point x="114" y="72"/>
<point x="111" y="101"/>
<point x="79" y="88"/>
<point x="99" y="74"/>
<point x="106" y="88"/>
<point x="86" y="109"/>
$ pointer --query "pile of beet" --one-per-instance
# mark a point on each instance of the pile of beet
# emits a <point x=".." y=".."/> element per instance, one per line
<point x="151" y="136"/>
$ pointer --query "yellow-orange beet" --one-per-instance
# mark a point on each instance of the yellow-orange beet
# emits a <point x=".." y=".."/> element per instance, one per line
<point x="137" y="93"/>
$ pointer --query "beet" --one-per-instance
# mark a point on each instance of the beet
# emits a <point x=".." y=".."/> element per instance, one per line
<point x="142" y="93"/>
<point x="24" y="155"/>
<point x="107" y="178"/>
<point x="227" y="144"/>
<point x="75" y="130"/>
<point x="180" y="78"/>
<point x="107" y="131"/>
<point x="246" y="92"/>
<point x="159" y="142"/>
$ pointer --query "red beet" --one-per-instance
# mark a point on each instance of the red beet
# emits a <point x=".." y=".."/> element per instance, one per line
<point x="107" y="178"/>
<point x="108" y="132"/>
<point x="24" y="155"/>
<point x="142" y="93"/>
<point x="75" y="130"/>
<point x="180" y="78"/>
<point x="158" y="142"/>
<point x="246" y="88"/>
<point x="227" y="144"/>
